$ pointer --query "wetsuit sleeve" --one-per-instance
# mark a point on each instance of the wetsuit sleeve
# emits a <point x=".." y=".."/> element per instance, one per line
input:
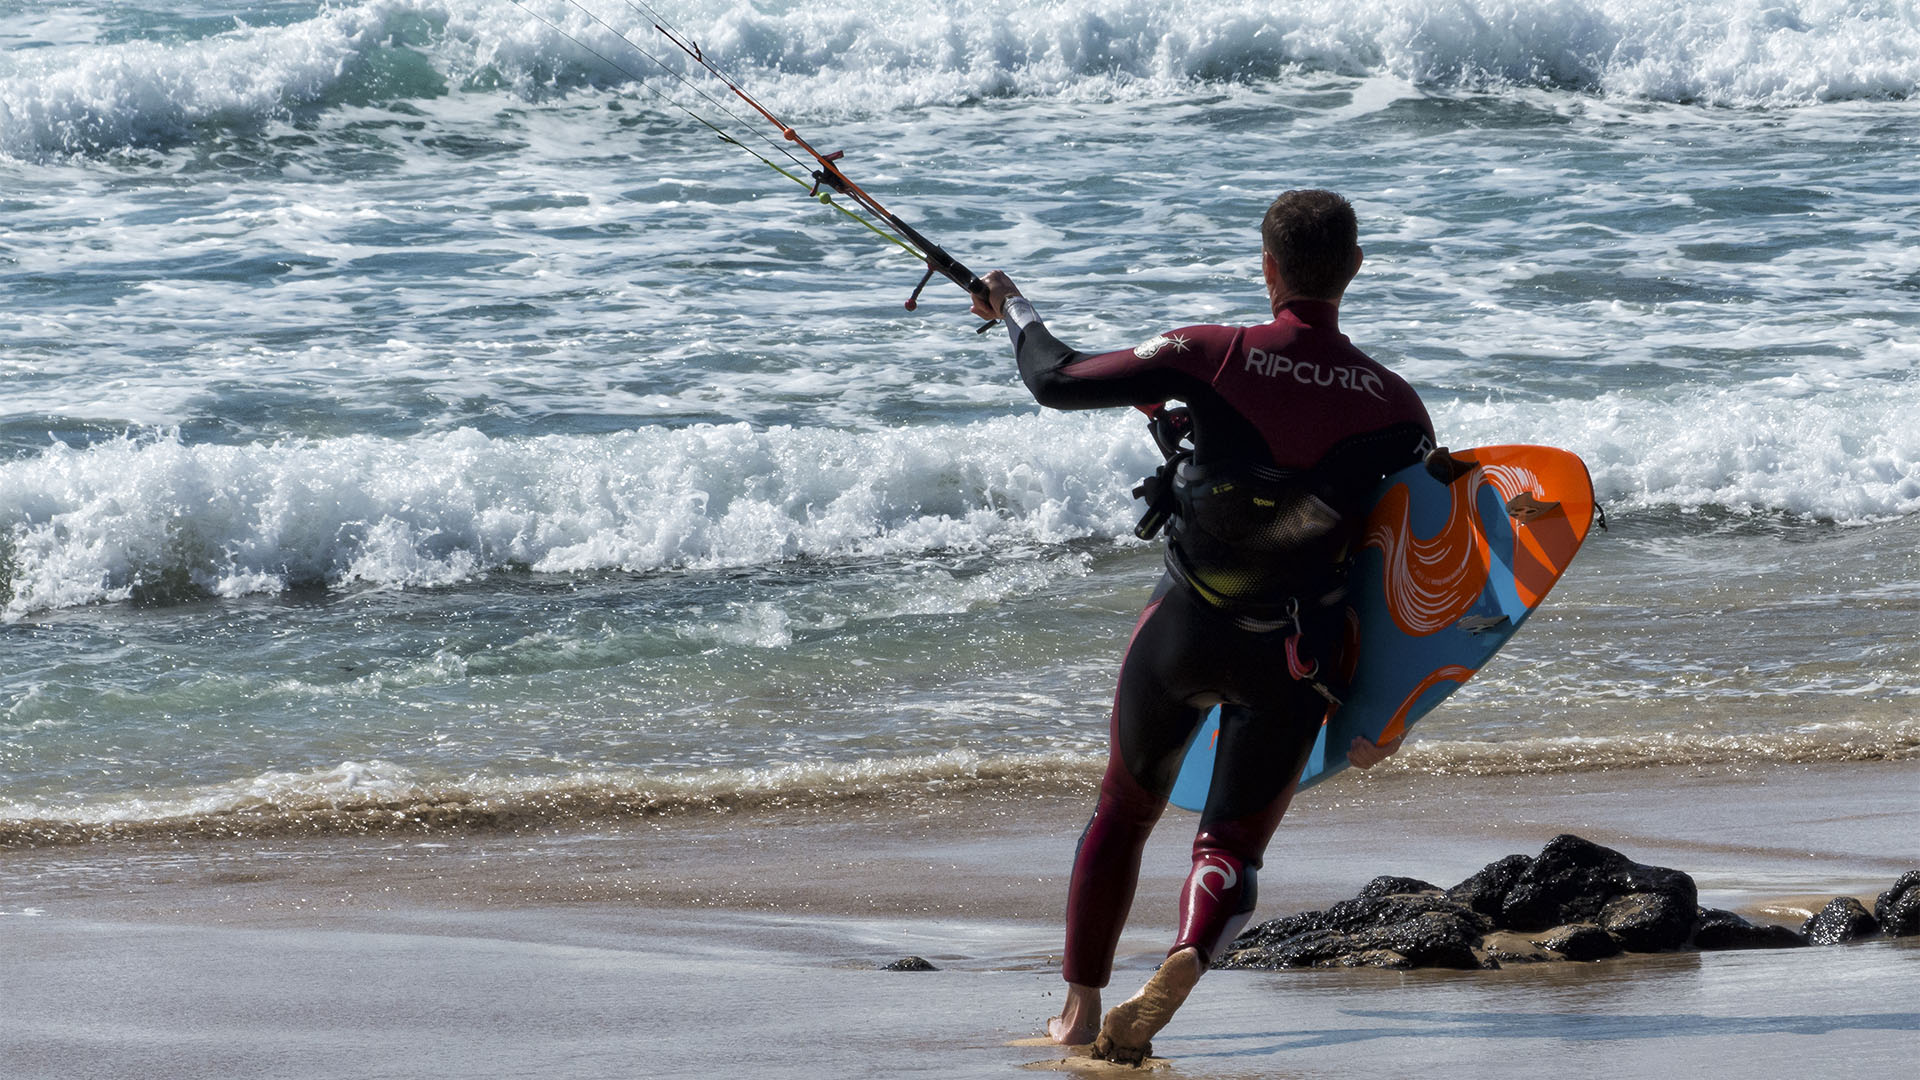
<point x="1062" y="377"/>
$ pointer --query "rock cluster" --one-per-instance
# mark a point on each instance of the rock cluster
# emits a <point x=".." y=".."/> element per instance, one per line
<point x="1576" y="900"/>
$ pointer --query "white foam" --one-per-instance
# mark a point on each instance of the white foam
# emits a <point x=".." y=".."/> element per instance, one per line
<point x="859" y="56"/>
<point x="1848" y="454"/>
<point x="347" y="785"/>
<point x="136" y="515"/>
<point x="1739" y="53"/>
<point x="1840" y="740"/>
<point x="374" y="794"/>
<point x="156" y="514"/>
<point x="88" y="97"/>
<point x="360" y="795"/>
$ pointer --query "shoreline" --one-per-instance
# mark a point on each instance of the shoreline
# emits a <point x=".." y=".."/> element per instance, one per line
<point x="751" y="943"/>
<point x="1751" y="836"/>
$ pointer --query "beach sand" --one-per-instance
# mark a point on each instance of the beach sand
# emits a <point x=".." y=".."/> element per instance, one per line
<point x="749" y="945"/>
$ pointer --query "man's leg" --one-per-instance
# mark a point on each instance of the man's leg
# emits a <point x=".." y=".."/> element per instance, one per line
<point x="1149" y="731"/>
<point x="1256" y="772"/>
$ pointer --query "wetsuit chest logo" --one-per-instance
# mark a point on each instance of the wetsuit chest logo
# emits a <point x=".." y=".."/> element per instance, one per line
<point x="1308" y="373"/>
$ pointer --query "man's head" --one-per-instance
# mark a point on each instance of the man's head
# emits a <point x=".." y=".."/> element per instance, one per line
<point x="1311" y="241"/>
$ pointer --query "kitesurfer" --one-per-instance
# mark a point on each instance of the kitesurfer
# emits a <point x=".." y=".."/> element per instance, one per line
<point x="1291" y="427"/>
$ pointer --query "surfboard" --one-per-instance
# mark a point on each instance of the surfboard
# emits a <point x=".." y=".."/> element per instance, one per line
<point x="1455" y="555"/>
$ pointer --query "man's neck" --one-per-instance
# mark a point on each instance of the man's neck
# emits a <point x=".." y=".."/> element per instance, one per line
<point x="1282" y="300"/>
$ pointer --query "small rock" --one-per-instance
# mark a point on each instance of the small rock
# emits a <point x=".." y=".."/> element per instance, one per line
<point x="1843" y="919"/>
<point x="1581" y="942"/>
<point x="1716" y="930"/>
<point x="909" y="963"/>
<point x="1898" y="909"/>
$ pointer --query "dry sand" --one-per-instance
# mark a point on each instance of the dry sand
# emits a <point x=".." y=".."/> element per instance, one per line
<point x="703" y="946"/>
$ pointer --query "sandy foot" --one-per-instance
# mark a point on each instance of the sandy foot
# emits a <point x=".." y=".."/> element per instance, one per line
<point x="1126" y="1034"/>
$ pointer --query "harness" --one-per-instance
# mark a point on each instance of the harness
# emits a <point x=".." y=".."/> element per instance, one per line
<point x="1260" y="544"/>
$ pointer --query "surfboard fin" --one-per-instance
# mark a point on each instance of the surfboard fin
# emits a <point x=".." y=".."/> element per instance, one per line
<point x="1480" y="624"/>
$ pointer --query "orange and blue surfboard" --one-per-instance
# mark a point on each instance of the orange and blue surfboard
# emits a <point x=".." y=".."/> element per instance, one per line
<point x="1446" y="573"/>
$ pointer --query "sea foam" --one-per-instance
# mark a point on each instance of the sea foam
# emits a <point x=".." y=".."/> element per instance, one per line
<point x="1848" y="454"/>
<point x="844" y="56"/>
<point x="157" y="517"/>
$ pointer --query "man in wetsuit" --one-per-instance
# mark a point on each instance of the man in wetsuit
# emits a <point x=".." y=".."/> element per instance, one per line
<point x="1291" y="429"/>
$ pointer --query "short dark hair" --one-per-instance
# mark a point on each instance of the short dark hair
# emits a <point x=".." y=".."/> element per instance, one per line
<point x="1312" y="234"/>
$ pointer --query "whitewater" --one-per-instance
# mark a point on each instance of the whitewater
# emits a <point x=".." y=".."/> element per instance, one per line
<point x="407" y="407"/>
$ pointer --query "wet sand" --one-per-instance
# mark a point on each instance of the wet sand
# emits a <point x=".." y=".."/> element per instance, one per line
<point x="748" y="946"/>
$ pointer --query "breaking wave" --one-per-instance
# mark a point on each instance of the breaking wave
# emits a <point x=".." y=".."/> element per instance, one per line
<point x="156" y="518"/>
<point x="72" y="96"/>
<point x="1783" y="446"/>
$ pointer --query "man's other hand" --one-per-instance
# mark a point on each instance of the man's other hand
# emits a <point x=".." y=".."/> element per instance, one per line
<point x="1363" y="754"/>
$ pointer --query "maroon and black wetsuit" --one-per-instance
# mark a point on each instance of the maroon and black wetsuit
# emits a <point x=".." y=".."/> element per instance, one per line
<point x="1291" y="401"/>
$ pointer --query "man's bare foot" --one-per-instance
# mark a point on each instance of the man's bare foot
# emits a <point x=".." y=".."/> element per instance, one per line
<point x="1079" y="1019"/>
<point x="1126" y="1032"/>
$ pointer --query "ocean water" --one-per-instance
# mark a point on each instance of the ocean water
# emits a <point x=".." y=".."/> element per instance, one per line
<point x="413" y="418"/>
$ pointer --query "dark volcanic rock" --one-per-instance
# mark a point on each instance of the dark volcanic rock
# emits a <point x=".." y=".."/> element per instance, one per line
<point x="1435" y="939"/>
<point x="1843" y="919"/>
<point x="1581" y="942"/>
<point x="1394" y="930"/>
<point x="1387" y="885"/>
<point x="1898" y="909"/>
<point x="909" y="963"/>
<point x="1274" y="931"/>
<point x="1573" y="880"/>
<point x="1362" y="913"/>
<point x="1312" y="948"/>
<point x="1648" y="921"/>
<point x="1575" y="900"/>
<point x="1716" y="929"/>
<point x="1484" y="891"/>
